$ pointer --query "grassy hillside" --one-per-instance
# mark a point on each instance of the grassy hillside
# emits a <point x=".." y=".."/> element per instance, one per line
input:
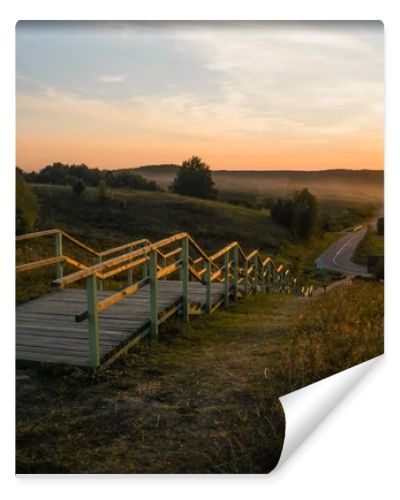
<point x="126" y="216"/>
<point x="130" y="215"/>
<point x="371" y="245"/>
<point x="204" y="398"/>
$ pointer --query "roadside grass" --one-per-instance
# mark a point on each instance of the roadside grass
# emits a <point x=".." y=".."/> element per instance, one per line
<point x="371" y="244"/>
<point x="338" y="214"/>
<point x="202" y="399"/>
<point x="300" y="257"/>
<point x="335" y="332"/>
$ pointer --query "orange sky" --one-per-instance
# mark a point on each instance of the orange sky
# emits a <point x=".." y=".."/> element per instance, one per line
<point x="305" y="96"/>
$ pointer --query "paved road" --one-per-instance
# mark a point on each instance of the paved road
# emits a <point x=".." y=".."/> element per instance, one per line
<point x="338" y="256"/>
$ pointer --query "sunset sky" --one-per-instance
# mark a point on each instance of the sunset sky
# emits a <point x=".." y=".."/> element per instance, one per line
<point x="254" y="96"/>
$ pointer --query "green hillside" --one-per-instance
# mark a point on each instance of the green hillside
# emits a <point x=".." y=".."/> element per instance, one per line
<point x="136" y="214"/>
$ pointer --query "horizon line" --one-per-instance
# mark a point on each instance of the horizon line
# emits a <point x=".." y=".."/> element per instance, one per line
<point x="167" y="165"/>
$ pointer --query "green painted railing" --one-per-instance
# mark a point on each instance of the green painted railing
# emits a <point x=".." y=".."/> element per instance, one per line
<point x="177" y="257"/>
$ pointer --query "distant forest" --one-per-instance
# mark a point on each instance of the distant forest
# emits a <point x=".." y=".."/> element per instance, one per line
<point x="63" y="174"/>
<point x="353" y="185"/>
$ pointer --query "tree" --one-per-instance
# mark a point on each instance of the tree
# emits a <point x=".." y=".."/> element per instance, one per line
<point x="27" y="206"/>
<point x="78" y="187"/>
<point x="194" y="178"/>
<point x="380" y="226"/>
<point x="305" y="214"/>
<point x="102" y="190"/>
<point x="299" y="213"/>
<point x="282" y="212"/>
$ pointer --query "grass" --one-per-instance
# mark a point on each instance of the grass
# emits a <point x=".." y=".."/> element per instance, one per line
<point x="126" y="216"/>
<point x="130" y="215"/>
<point x="371" y="244"/>
<point x="300" y="257"/>
<point x="154" y="215"/>
<point x="204" y="398"/>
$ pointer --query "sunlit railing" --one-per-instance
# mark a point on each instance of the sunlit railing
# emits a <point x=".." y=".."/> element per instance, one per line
<point x="176" y="257"/>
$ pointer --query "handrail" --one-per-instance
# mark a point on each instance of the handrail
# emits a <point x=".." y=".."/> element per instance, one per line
<point x="240" y="273"/>
<point x="107" y="264"/>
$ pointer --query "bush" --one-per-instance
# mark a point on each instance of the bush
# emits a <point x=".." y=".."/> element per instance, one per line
<point x="380" y="226"/>
<point x="194" y="178"/>
<point x="27" y="206"/>
<point x="78" y="187"/>
<point x="299" y="213"/>
<point x="102" y="190"/>
<point x="305" y="214"/>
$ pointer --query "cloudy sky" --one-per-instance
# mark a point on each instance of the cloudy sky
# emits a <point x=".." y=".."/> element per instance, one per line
<point x="256" y="95"/>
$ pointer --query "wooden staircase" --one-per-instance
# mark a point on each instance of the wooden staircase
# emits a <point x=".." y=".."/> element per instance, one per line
<point x="174" y="276"/>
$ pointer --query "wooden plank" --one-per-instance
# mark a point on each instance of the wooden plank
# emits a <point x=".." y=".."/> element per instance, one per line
<point x="39" y="263"/>
<point x="80" y="244"/>
<point x="223" y="251"/>
<point x="38" y="234"/>
<point x="129" y="290"/>
<point x="110" y="251"/>
<point x="108" y="264"/>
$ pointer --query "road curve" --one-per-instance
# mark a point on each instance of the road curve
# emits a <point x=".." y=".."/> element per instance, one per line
<point x="338" y="256"/>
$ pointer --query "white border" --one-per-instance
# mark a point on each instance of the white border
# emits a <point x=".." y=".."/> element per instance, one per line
<point x="355" y="453"/>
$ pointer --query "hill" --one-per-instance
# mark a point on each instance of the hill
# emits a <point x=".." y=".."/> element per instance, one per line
<point x="210" y="387"/>
<point x="128" y="215"/>
<point x="357" y="185"/>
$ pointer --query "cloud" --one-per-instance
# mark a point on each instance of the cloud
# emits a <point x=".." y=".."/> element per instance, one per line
<point x="255" y="85"/>
<point x="112" y="78"/>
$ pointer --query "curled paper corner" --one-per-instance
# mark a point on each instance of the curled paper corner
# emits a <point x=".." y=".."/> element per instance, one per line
<point x="308" y="407"/>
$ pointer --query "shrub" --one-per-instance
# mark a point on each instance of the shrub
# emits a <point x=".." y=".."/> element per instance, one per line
<point x="102" y="190"/>
<point x="78" y="187"/>
<point x="299" y="213"/>
<point x="27" y="206"/>
<point x="380" y="226"/>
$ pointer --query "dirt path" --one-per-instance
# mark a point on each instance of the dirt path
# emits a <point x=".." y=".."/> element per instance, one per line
<point x="200" y="400"/>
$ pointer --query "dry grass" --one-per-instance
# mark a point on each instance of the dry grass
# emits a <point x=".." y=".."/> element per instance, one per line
<point x="204" y="398"/>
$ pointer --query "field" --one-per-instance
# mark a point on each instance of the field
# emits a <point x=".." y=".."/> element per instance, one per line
<point x="372" y="244"/>
<point x="203" y="399"/>
<point x="351" y="185"/>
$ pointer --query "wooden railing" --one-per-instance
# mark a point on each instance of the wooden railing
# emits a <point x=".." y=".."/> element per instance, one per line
<point x="178" y="257"/>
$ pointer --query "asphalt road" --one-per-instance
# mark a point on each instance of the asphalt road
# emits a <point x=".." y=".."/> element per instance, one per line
<point x="338" y="256"/>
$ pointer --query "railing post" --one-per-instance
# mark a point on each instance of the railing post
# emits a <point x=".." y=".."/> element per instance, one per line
<point x="145" y="270"/>
<point x="262" y="278"/>
<point x="59" y="252"/>
<point x="235" y="273"/>
<point x="165" y="265"/>
<point x="94" y="349"/>
<point x="208" y="287"/>
<point x="256" y="274"/>
<point x="246" y="281"/>
<point x="153" y="295"/>
<point x="185" y="278"/>
<point x="130" y="271"/>
<point x="226" y="278"/>
<point x="100" y="282"/>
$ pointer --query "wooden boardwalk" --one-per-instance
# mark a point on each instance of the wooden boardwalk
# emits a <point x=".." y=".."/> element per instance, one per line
<point x="175" y="275"/>
<point x="46" y="330"/>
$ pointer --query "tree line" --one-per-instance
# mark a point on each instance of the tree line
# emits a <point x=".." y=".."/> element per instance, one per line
<point x="299" y="213"/>
<point x="64" y="174"/>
